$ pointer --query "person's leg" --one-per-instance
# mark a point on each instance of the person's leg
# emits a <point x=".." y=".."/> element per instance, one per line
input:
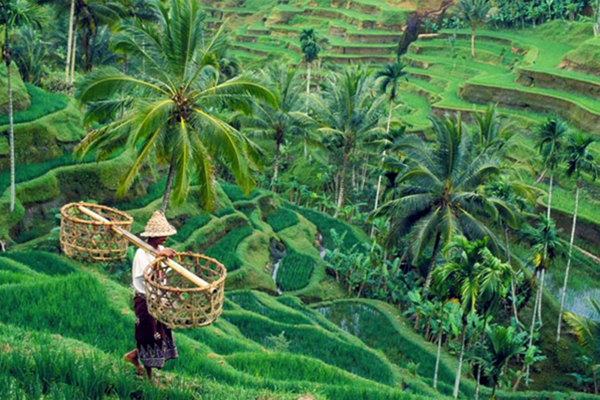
<point x="132" y="357"/>
<point x="149" y="373"/>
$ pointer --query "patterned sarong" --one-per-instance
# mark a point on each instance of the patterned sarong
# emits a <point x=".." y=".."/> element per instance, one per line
<point x="154" y="340"/>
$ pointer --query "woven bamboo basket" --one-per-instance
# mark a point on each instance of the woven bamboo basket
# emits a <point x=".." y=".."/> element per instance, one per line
<point x="83" y="238"/>
<point x="178" y="303"/>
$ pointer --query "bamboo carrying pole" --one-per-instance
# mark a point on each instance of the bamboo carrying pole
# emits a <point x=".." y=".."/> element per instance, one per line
<point x="140" y="243"/>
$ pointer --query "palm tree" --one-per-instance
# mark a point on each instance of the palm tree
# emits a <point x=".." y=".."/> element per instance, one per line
<point x="389" y="79"/>
<point x="474" y="13"/>
<point x="310" y="49"/>
<point x="473" y="275"/>
<point x="588" y="335"/>
<point x="15" y="14"/>
<point x="440" y="193"/>
<point x="516" y="195"/>
<point x="348" y="111"/>
<point x="550" y="136"/>
<point x="545" y="247"/>
<point x="281" y="118"/>
<point x="579" y="160"/>
<point x="89" y="16"/>
<point x="175" y="108"/>
<point x="492" y="134"/>
<point x="503" y="343"/>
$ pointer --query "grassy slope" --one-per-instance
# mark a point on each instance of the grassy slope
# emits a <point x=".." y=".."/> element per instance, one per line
<point x="236" y="357"/>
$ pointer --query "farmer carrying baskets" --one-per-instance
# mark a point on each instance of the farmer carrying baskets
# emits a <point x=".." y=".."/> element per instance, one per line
<point x="154" y="340"/>
<point x="172" y="290"/>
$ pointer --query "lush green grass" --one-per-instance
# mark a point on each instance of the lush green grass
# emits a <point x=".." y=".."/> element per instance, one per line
<point x="224" y="250"/>
<point x="317" y="343"/>
<point x="375" y="327"/>
<point x="235" y="193"/>
<point x="295" y="271"/>
<point x="282" y="219"/>
<point x="325" y="224"/>
<point x="46" y="263"/>
<point x="31" y="171"/>
<point x="42" y="104"/>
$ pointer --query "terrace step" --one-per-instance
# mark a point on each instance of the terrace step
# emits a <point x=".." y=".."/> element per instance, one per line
<point x="558" y="80"/>
<point x="350" y="48"/>
<point x="351" y="59"/>
<point x="580" y="112"/>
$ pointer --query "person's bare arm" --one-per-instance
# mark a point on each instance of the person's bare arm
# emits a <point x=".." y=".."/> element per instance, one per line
<point x="166" y="252"/>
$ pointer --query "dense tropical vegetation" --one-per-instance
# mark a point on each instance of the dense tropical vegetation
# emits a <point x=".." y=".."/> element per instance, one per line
<point x="429" y="219"/>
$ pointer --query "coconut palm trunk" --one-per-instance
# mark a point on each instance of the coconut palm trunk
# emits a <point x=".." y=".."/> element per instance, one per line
<point x="308" y="85"/>
<point x="478" y="382"/>
<point x="564" y="289"/>
<point x="437" y="359"/>
<point x="340" y="200"/>
<point x="460" y="360"/>
<point x="69" y="42"/>
<point x="473" y="42"/>
<point x="379" y="179"/>
<point x="434" y="254"/>
<point x="73" y="53"/>
<point x="11" y="137"/>
<point x="513" y="290"/>
<point x="549" y="208"/>
<point x="533" y="315"/>
<point x="168" y="187"/>
<point x="541" y="296"/>
<point x="276" y="165"/>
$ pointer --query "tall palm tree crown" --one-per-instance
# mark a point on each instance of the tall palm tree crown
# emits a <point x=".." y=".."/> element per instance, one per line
<point x="441" y="194"/>
<point x="550" y="140"/>
<point x="475" y="277"/>
<point x="389" y="78"/>
<point x="474" y="13"/>
<point x="175" y="108"/>
<point x="348" y="111"/>
<point x="578" y="157"/>
<point x="282" y="117"/>
<point x="309" y="45"/>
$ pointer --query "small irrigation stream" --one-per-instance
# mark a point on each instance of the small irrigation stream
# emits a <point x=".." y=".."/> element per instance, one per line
<point x="277" y="251"/>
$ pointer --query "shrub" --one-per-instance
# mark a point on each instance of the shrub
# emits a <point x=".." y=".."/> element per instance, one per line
<point x="224" y="250"/>
<point x="295" y="271"/>
<point x="282" y="219"/>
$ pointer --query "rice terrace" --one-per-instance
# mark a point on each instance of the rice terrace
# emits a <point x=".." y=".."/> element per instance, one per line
<point x="299" y="199"/>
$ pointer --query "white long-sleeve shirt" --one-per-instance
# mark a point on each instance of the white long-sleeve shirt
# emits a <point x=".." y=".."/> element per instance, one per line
<point x="141" y="260"/>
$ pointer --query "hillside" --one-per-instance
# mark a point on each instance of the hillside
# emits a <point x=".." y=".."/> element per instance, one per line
<point x="356" y="31"/>
<point x="394" y="240"/>
<point x="261" y="347"/>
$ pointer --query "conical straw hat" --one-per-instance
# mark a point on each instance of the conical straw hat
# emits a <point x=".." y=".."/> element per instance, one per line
<point x="158" y="226"/>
